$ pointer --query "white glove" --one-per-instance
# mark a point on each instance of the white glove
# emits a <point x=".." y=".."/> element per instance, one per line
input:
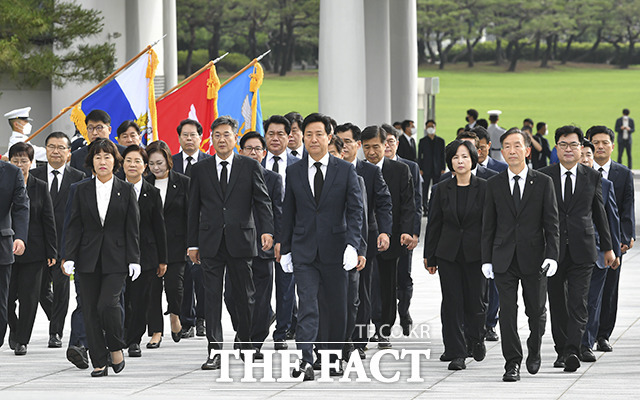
<point x="487" y="271"/>
<point x="134" y="271"/>
<point x="553" y="266"/>
<point x="69" y="267"/>
<point x="350" y="258"/>
<point x="286" y="263"/>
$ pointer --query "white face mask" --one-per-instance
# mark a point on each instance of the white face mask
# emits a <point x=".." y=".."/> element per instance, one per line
<point x="26" y="129"/>
<point x="413" y="131"/>
<point x="430" y="130"/>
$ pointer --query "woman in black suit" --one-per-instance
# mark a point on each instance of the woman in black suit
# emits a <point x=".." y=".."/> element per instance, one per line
<point x="153" y="247"/>
<point x="452" y="247"/>
<point x="102" y="243"/>
<point x="26" y="272"/>
<point x="174" y="191"/>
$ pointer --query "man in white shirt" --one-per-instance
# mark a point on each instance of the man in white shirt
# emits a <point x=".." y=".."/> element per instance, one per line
<point x="20" y="123"/>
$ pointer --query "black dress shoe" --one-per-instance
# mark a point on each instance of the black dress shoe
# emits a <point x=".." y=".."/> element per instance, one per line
<point x="55" y="341"/>
<point x="491" y="335"/>
<point x="571" y="363"/>
<point x="512" y="373"/>
<point x="479" y="351"/>
<point x="280" y="344"/>
<point x="134" y="350"/>
<point x="361" y="353"/>
<point x="187" y="333"/>
<point x="587" y="355"/>
<point x="604" y="345"/>
<point x="291" y="335"/>
<point x="374" y="338"/>
<point x="559" y="362"/>
<point x="406" y="325"/>
<point x="457" y="364"/>
<point x="336" y="371"/>
<point x="154" y="345"/>
<point x="200" y="331"/>
<point x="96" y="373"/>
<point x="445" y="357"/>
<point x="383" y="343"/>
<point x="317" y="365"/>
<point x="176" y="336"/>
<point x="12" y="343"/>
<point x="211" y="363"/>
<point x="304" y="369"/>
<point x="258" y="355"/>
<point x="533" y="363"/>
<point x="78" y="356"/>
<point x="117" y="368"/>
<point x="21" y="349"/>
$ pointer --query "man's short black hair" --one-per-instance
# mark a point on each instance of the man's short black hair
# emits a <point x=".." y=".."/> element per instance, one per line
<point x="294" y="116"/>
<point x="406" y="123"/>
<point x="625" y="111"/>
<point x="277" y="119"/>
<point x="98" y="116"/>
<point x="253" y="135"/>
<point x="473" y="113"/>
<point x="452" y="148"/>
<point x="430" y="120"/>
<point x="338" y="142"/>
<point x="225" y="120"/>
<point x="126" y="125"/>
<point x="481" y="133"/>
<point x="527" y="121"/>
<point x="525" y="137"/>
<point x="58" y="135"/>
<point x="189" y="121"/>
<point x="540" y="125"/>
<point x="567" y="130"/>
<point x="594" y="130"/>
<point x="317" y="117"/>
<point x="390" y="130"/>
<point x="373" y="132"/>
<point x="483" y="123"/>
<point x="493" y="118"/>
<point x="355" y="131"/>
<point x="469" y="135"/>
<point x="587" y="143"/>
<point x="21" y="149"/>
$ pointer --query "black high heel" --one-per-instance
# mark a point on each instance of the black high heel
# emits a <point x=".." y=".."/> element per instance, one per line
<point x="98" y="373"/>
<point x="117" y="368"/>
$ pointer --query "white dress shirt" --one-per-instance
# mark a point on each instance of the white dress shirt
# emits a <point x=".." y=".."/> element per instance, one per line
<point x="282" y="166"/>
<point x="50" y="176"/>
<point x="312" y="170"/>
<point x="219" y="165"/>
<point x="162" y="185"/>
<point x="299" y="150"/>
<point x="563" y="178"/>
<point x="521" y="181"/>
<point x="103" y="195"/>
<point x="606" y="167"/>
<point x="185" y="162"/>
<point x="137" y="187"/>
<point x="380" y="163"/>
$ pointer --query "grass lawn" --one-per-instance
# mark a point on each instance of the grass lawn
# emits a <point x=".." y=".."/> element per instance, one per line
<point x="578" y="94"/>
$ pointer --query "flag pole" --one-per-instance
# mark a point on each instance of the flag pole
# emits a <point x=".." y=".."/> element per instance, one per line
<point x="105" y="80"/>
<point x="191" y="77"/>
<point x="252" y="63"/>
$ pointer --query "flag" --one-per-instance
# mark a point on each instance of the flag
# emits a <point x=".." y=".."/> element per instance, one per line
<point x="130" y="96"/>
<point x="194" y="100"/>
<point x="239" y="97"/>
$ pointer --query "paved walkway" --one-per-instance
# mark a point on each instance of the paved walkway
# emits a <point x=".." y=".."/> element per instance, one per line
<point x="173" y="371"/>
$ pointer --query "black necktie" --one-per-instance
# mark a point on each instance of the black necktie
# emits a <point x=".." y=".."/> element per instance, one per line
<point x="187" y="171"/>
<point x="223" y="177"/>
<point x="516" y="191"/>
<point x="568" y="188"/>
<point x="413" y="145"/>
<point x="601" y="170"/>
<point x="295" y="153"/>
<point x="54" y="185"/>
<point x="276" y="168"/>
<point x="318" y="181"/>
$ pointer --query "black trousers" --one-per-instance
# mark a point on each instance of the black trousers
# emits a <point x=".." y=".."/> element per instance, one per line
<point x="405" y="285"/>
<point x="55" y="299"/>
<point x="609" y="309"/>
<point x="5" y="277"/>
<point x="102" y="311"/>
<point x="388" y="275"/>
<point x="192" y="307"/>
<point x="136" y="303"/>
<point x="25" y="288"/>
<point x="534" y="294"/>
<point x="241" y="278"/>
<point x="262" y="271"/>
<point x="463" y="307"/>
<point x="624" y="145"/>
<point x="360" y="335"/>
<point x="173" y="281"/>
<point x="568" y="296"/>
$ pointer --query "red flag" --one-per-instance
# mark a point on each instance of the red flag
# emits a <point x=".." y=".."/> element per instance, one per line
<point x="195" y="100"/>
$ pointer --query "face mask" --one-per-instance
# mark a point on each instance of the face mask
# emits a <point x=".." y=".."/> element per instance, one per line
<point x="26" y="129"/>
<point x="413" y="131"/>
<point x="546" y="132"/>
<point x="431" y="131"/>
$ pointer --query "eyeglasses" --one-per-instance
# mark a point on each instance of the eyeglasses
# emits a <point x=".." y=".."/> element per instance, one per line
<point x="52" y="147"/>
<point x="573" y="145"/>
<point x="391" y="142"/>
<point x="192" y="135"/>
<point x="226" y="136"/>
<point x="98" y="128"/>
<point x="252" y="149"/>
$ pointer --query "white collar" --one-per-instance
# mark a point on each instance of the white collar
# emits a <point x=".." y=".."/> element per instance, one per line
<point x="324" y="161"/>
<point x="228" y="159"/>
<point x="355" y="162"/>
<point x="107" y="185"/>
<point x="194" y="157"/>
<point x="380" y="163"/>
<point x="522" y="174"/>
<point x="573" y="170"/>
<point x="50" y="169"/>
<point x="606" y="166"/>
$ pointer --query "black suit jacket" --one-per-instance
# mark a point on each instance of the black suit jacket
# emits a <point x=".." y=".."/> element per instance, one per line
<point x="529" y="233"/>
<point x="213" y="215"/>
<point x="417" y="193"/>
<point x="42" y="225"/>
<point x="153" y="233"/>
<point x="79" y="156"/>
<point x="378" y="204"/>
<point x="577" y="218"/>
<point x="618" y="128"/>
<point x="274" y="188"/>
<point x="481" y="172"/>
<point x="14" y="211"/>
<point x="496" y="165"/>
<point x="622" y="179"/>
<point x="405" y="150"/>
<point x="176" y="215"/>
<point x="400" y="184"/>
<point x="70" y="176"/>
<point x="116" y="244"/>
<point x="431" y="156"/>
<point x="178" y="160"/>
<point x="446" y="232"/>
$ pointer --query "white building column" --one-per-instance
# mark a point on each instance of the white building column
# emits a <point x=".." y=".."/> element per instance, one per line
<point x="341" y="75"/>
<point x="404" y="60"/>
<point x="170" y="44"/>
<point x="378" y="64"/>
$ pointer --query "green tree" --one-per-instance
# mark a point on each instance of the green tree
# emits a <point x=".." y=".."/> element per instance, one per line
<point x="192" y="15"/>
<point x="39" y="41"/>
<point x="441" y="22"/>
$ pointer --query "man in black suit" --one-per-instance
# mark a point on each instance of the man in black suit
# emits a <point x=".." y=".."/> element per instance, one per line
<point x="224" y="191"/>
<point x="603" y="140"/>
<point x="192" y="310"/>
<point x="253" y="145"/>
<point x="295" y="147"/>
<point x="430" y="159"/>
<point x="579" y="197"/>
<point x="624" y="128"/>
<point x="479" y="171"/>
<point x="484" y="146"/>
<point x="540" y="157"/>
<point x="277" y="130"/>
<point x="379" y="229"/>
<point x="407" y="141"/>
<point x="98" y="126"/>
<point x="399" y="181"/>
<point x="321" y="232"/>
<point x="520" y="246"/>
<point x="59" y="177"/>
